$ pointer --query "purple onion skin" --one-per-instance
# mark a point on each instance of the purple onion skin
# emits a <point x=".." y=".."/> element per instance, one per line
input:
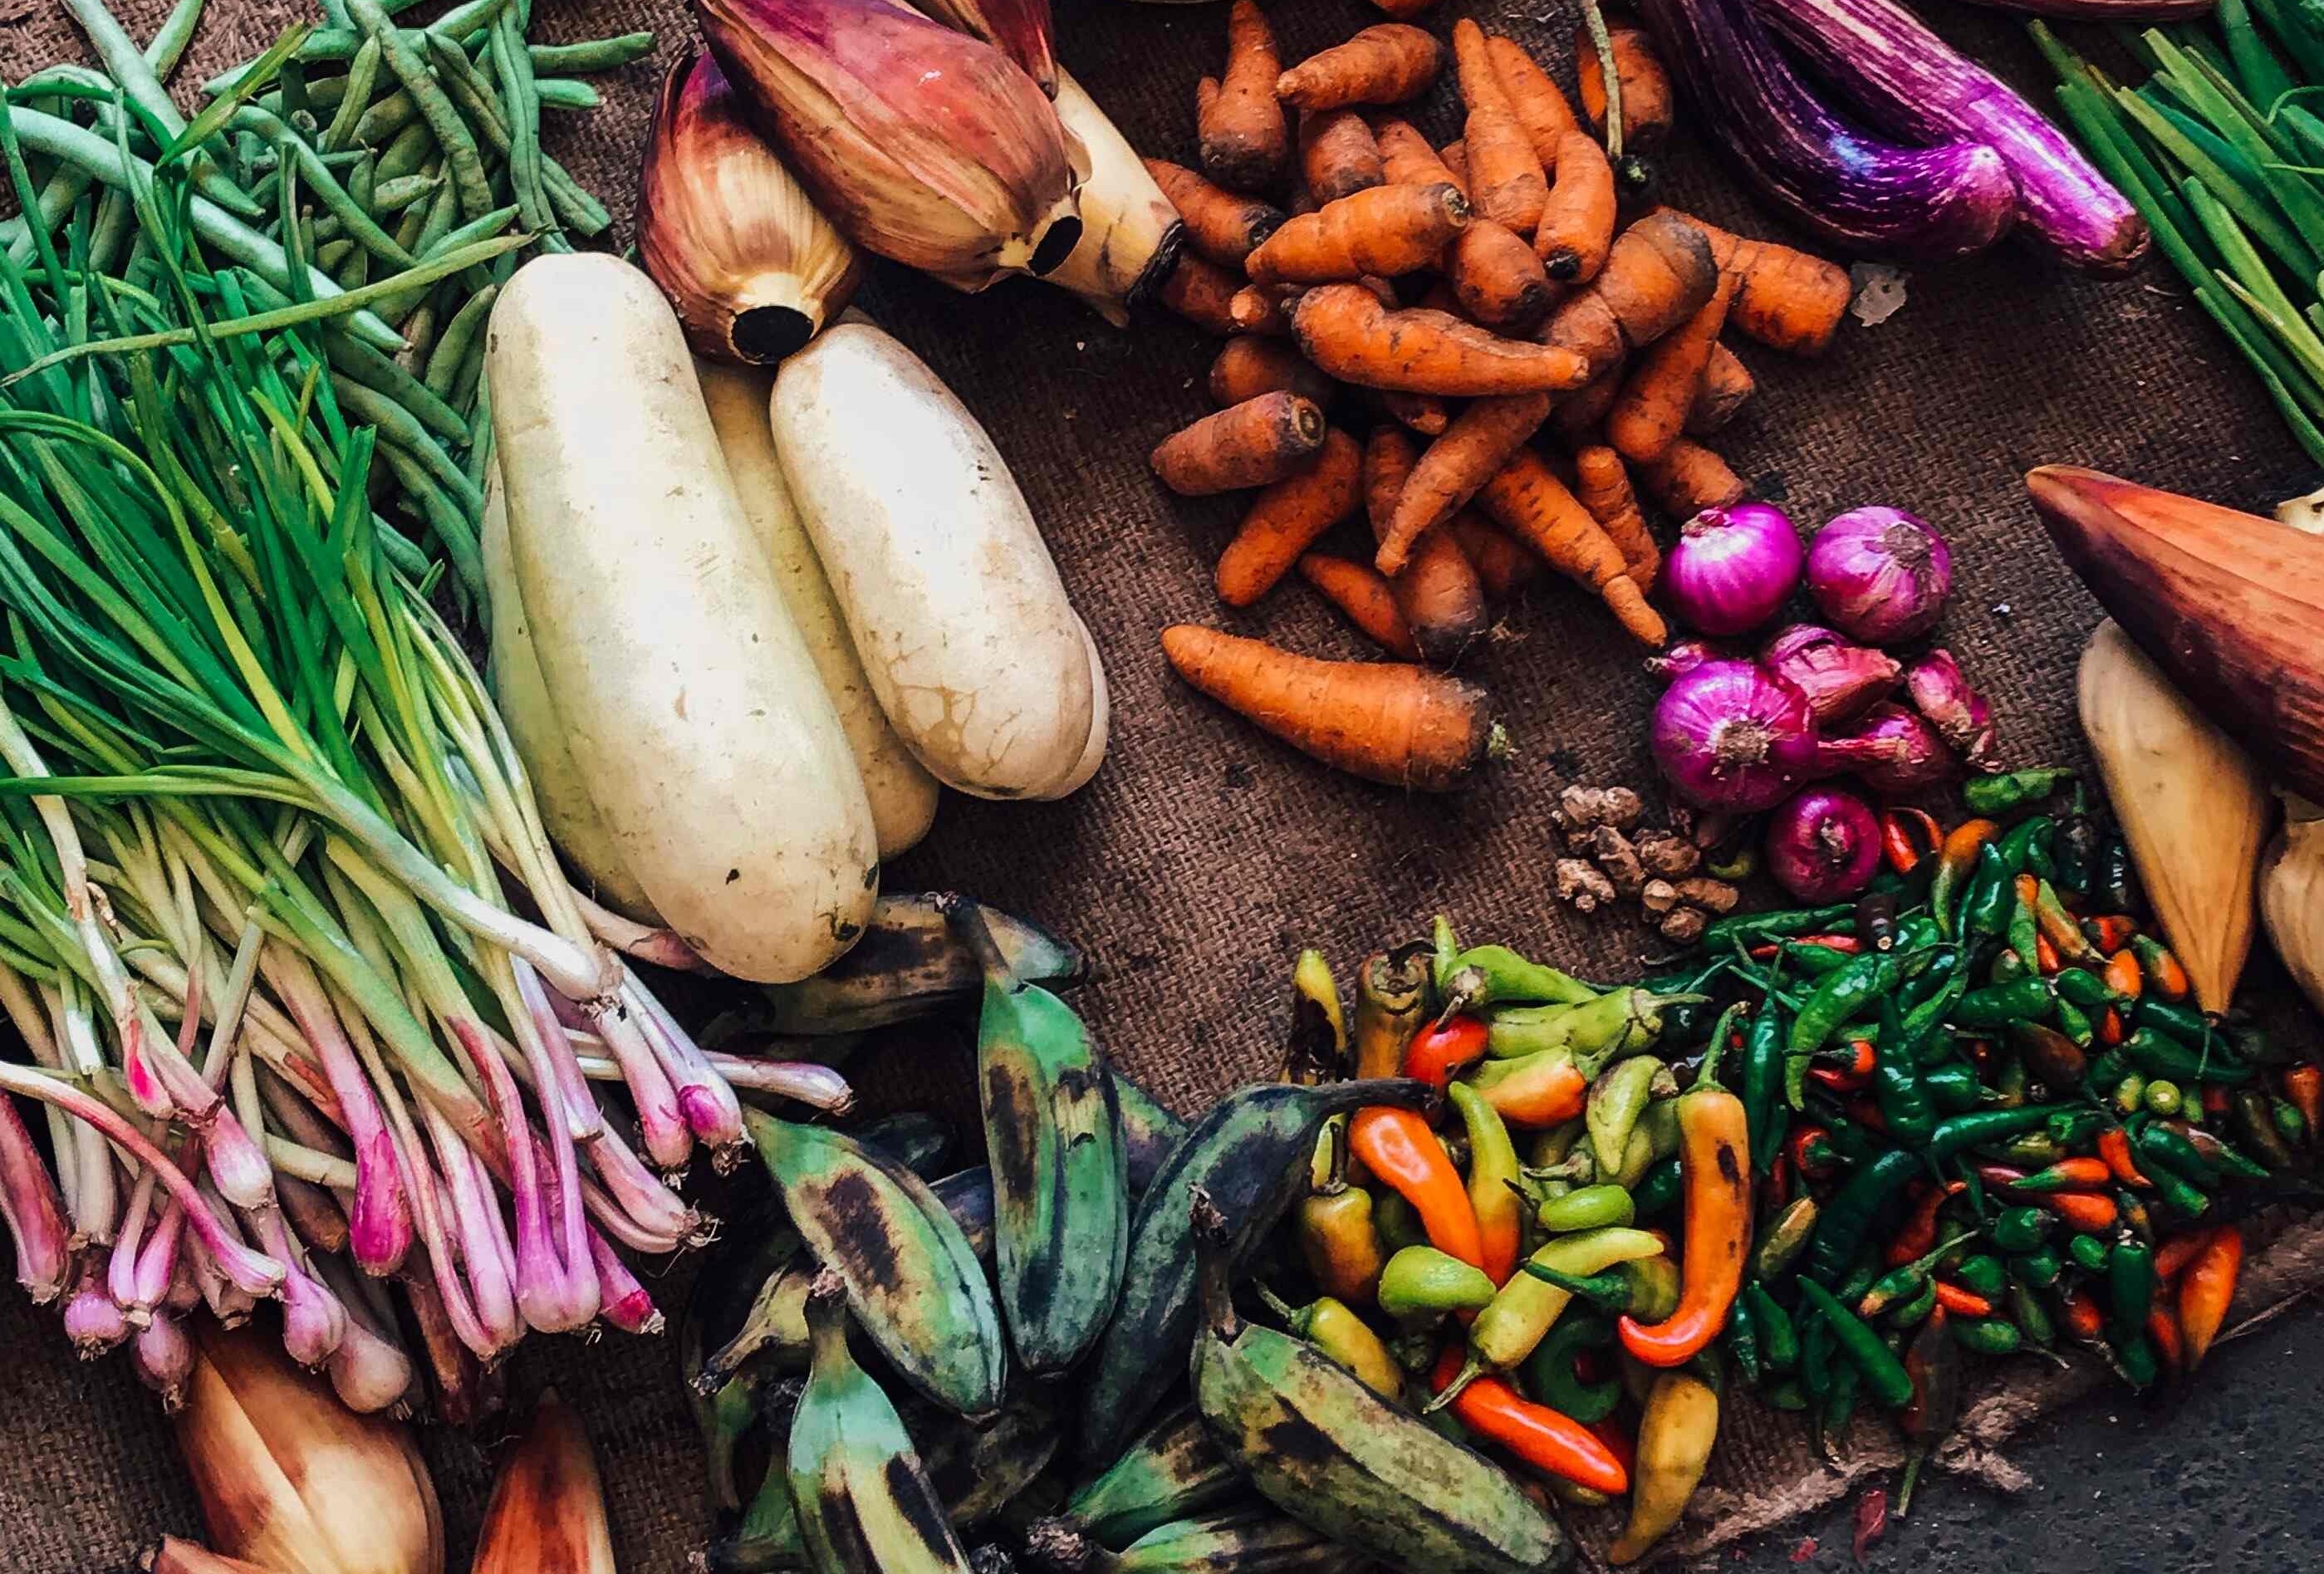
<point x="1728" y="737"/>
<point x="1732" y="567"/>
<point x="1910" y="83"/>
<point x="1957" y="712"/>
<point x="1860" y="192"/>
<point x="1839" y="677"/>
<point x="1880" y="574"/>
<point x="1823" y="845"/>
<point x="1680" y="657"/>
<point x="1893" y="752"/>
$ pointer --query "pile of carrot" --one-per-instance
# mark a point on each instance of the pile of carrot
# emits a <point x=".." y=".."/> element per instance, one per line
<point x="1525" y="358"/>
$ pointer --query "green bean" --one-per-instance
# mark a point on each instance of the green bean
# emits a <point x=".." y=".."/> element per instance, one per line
<point x="386" y="118"/>
<point x="466" y="164"/>
<point x="452" y="345"/>
<point x="356" y="101"/>
<point x="596" y="54"/>
<point x="400" y="428"/>
<point x="418" y="331"/>
<point x="435" y="224"/>
<point x="343" y="203"/>
<point x="454" y="526"/>
<point x="478" y="398"/>
<point x="381" y="373"/>
<point x="514" y="69"/>
<point x="69" y="144"/>
<point x="469" y="91"/>
<point x="330" y="255"/>
<point x="395" y="195"/>
<point x="116" y="215"/>
<point x="170" y="38"/>
<point x="342" y="40"/>
<point x="413" y="146"/>
<point x="571" y="202"/>
<point x="126" y="64"/>
<point x="566" y="93"/>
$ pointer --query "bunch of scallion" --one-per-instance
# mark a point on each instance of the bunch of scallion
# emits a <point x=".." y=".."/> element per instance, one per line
<point x="305" y="1002"/>
<point x="343" y="159"/>
<point x="2222" y="149"/>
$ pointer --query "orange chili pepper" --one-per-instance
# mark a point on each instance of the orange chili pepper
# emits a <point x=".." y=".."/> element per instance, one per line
<point x="1961" y="844"/>
<point x="2114" y="1150"/>
<point x="2111" y="1030"/>
<point x="2170" y="1343"/>
<point x="2172" y="1257"/>
<point x="1540" y="1436"/>
<point x="2079" y="1173"/>
<point x="2114" y="931"/>
<point x="2207" y="1289"/>
<point x="2164" y="970"/>
<point x="2303" y="1090"/>
<point x="1919" y="1235"/>
<point x="1848" y="943"/>
<point x="1443" y="1050"/>
<point x="2122" y="975"/>
<point x="1399" y="1146"/>
<point x="1714" y="1156"/>
<point x="1865" y="1058"/>
<point x="2083" y="1319"/>
<point x="2087" y="1211"/>
<point x="2045" y="955"/>
<point x="1544" y="1089"/>
<point x="1962" y="1302"/>
<point x="1897" y="843"/>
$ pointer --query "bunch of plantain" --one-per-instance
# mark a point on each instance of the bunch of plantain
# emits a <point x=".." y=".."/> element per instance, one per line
<point x="910" y="963"/>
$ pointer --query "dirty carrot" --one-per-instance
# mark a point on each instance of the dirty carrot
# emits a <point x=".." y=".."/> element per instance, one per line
<point x="1387" y="63"/>
<point x="1536" y="100"/>
<point x="1401" y="1151"/>
<point x="1579" y="415"/>
<point x="1388" y="458"/>
<point x="1388" y="722"/>
<point x="1690" y="478"/>
<point x="1504" y="566"/>
<point x="1532" y="504"/>
<point x="1363" y="598"/>
<point x="1455" y="155"/>
<point x="1505" y="172"/>
<point x="1338" y="155"/>
<point x="1437" y="592"/>
<point x="1406" y="157"/>
<point x="1203" y="293"/>
<point x="1648" y="106"/>
<point x="1576" y="228"/>
<point x="2206" y="1288"/>
<point x="1223" y="225"/>
<point x="1603" y="486"/>
<point x="1262" y="309"/>
<point x="1383" y="230"/>
<point x="1416" y="412"/>
<point x="1480" y="441"/>
<point x="1497" y="279"/>
<point x="1246" y="139"/>
<point x="1250" y="364"/>
<point x="1786" y="300"/>
<point x="1727" y="387"/>
<point x="1659" y="273"/>
<point x="1256" y="443"/>
<point x="1350" y="336"/>
<point x="1650" y="413"/>
<point x="1286" y="519"/>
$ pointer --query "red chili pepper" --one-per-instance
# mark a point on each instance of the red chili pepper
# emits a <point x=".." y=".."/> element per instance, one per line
<point x="2112" y="931"/>
<point x="2114" y="1148"/>
<point x="2078" y="1173"/>
<point x="1837" y="1080"/>
<point x="2207" y="1289"/>
<point x="2170" y="1343"/>
<point x="1617" y="1441"/>
<point x="1980" y="1055"/>
<point x="2111" y="1030"/>
<point x="1540" y="1436"/>
<point x="2172" y="1257"/>
<point x="2303" y="1090"/>
<point x="1899" y="843"/>
<point x="1443" y="1050"/>
<point x="1865" y="1111"/>
<point x="2164" y="973"/>
<point x="2088" y="1212"/>
<point x="1962" y="1302"/>
<point x="1918" y="1237"/>
<point x="1809" y="1150"/>
<point x="1779" y="1180"/>
<point x="2215" y="1101"/>
<point x="2083" y="1318"/>
<point x="2045" y="955"/>
<point x="2122" y="975"/>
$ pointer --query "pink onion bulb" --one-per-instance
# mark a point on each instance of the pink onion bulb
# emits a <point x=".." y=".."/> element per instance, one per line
<point x="1731" y="567"/>
<point x="1893" y="750"/>
<point x="1727" y="736"/>
<point x="1879" y="575"/>
<point x="1839" y="677"/>
<point x="1823" y="845"/>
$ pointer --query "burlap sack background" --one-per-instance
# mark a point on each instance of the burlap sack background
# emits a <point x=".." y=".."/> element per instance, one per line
<point x="1204" y="855"/>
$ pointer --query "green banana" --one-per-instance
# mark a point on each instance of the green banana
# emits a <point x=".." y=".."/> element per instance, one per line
<point x="908" y="965"/>
<point x="1251" y="1152"/>
<point x="912" y="1277"/>
<point x="1247" y="1541"/>
<point x="1148" y="1131"/>
<point x="1325" y="1449"/>
<point x="979" y="1470"/>
<point x="1173" y="1471"/>
<point x="1060" y="1203"/>
<point x="862" y="1497"/>
<point x="767" y="1537"/>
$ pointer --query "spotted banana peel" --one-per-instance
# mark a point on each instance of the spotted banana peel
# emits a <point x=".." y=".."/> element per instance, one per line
<point x="1173" y="1471"/>
<point x="1245" y="1540"/>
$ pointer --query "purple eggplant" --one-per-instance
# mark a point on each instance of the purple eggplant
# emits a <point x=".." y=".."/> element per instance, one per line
<point x="1867" y="194"/>
<point x="1910" y="83"/>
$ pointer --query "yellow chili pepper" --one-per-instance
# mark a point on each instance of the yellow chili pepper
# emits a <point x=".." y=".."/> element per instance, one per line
<point x="1391" y="1004"/>
<point x="1675" y="1433"/>
<point x="1341" y="1243"/>
<point x="1333" y="1327"/>
<point x="1493" y="1173"/>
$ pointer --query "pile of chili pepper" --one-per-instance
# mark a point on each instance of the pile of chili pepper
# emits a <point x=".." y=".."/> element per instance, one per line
<point x="1829" y="1152"/>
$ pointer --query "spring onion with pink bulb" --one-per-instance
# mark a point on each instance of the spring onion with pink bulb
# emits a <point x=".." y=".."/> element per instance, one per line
<point x="34" y="1212"/>
<point x="165" y="1359"/>
<point x="1823" y="845"/>
<point x="1728" y="737"/>
<point x="92" y="1321"/>
<point x="1839" y="678"/>
<point x="1880" y="574"/>
<point x="1732" y="567"/>
<point x="1891" y="749"/>
<point x="1959" y="712"/>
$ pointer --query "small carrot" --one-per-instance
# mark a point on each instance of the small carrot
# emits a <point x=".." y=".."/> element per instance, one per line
<point x="2114" y="1147"/>
<point x="1659" y="273"/>
<point x="1225" y="226"/>
<point x="1651" y="412"/>
<point x="1502" y="565"/>
<point x="1786" y="300"/>
<point x="1383" y="230"/>
<point x="1576" y="229"/>
<point x="1262" y="309"/>
<point x="1338" y="155"/>
<point x="1388" y="722"/>
<point x="1961" y="1302"/>
<point x="1727" y="387"/>
<point x="1579" y="414"/>
<point x="1495" y="278"/>
<point x="1416" y="412"/>
<point x="1407" y="158"/>
<point x="1347" y="332"/>
<point x="1246" y="139"/>
<point x="2206" y="1290"/>
<point x="1437" y="591"/>
<point x="1255" y="443"/>
<point x="1202" y="292"/>
<point x="1481" y="439"/>
<point x="1389" y="457"/>
<point x="1648" y="106"/>
<point x="1455" y="155"/>
<point x="1287" y="518"/>
<point x="1250" y="364"/>
<point x="1537" y="102"/>
<point x="1603" y="486"/>
<point x="1505" y="172"/>
<point x="1690" y="478"/>
<point x="1364" y="598"/>
<point x="1530" y="502"/>
<point x="1385" y="63"/>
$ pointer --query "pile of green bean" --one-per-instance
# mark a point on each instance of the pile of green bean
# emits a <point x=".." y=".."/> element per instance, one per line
<point x="353" y="157"/>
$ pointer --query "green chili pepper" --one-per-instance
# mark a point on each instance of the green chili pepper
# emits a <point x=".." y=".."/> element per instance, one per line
<point x="1549" y="1372"/>
<point x="2036" y="1150"/>
<point x="2089" y="1253"/>
<point x="2112" y="878"/>
<point x="2225" y="1157"/>
<point x="1761" y="1086"/>
<point x="2290" y="1125"/>
<point x="1421" y="1284"/>
<point x="1981" y="1274"/>
<point x="1991" y="898"/>
<point x="2083" y="988"/>
<point x="1645" y="1288"/>
<point x="1903" y="1102"/>
<point x="2255" y="1115"/>
<point x="2130" y="1092"/>
<point x="1987" y="1336"/>
<point x="1588" y="1208"/>
<point x="2001" y="795"/>
<point x="1658" y="1192"/>
<point x="1617" y="1099"/>
<point x="1616" y="1023"/>
<point x="2076" y="846"/>
<point x="1753" y="928"/>
<point x="1838" y="996"/>
<point x="1883" y="1374"/>
<point x="2039" y="1267"/>
<point x="2021" y="1230"/>
<point x="2130" y="1286"/>
<point x="1816" y="961"/>
<point x="2073" y="1023"/>
<point x="2159" y="1143"/>
<point x="1952" y="1087"/>
<point x="1779" y="1340"/>
<point x="2015" y="845"/>
<point x="2134" y="1358"/>
<point x="1912" y="1313"/>
<point x="2184" y="1022"/>
<point x="1741" y="1337"/>
<point x="2008" y="966"/>
<point x="1815" y="1353"/>
<point x="1396" y="1220"/>
<point x="1850" y="1215"/>
<point x="1839" y="1404"/>
<point x="1502" y="976"/>
<point x="2163" y="1098"/>
<point x="2032" y="1317"/>
<point x="1783" y="1240"/>
<point x="1962" y="1132"/>
<point x="1903" y="1282"/>
<point x="1998" y="1006"/>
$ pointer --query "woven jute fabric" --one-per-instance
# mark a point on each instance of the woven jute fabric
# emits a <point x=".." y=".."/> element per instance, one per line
<point x="1205" y="854"/>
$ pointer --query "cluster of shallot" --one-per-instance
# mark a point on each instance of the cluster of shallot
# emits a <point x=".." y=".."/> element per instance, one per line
<point x="1741" y="731"/>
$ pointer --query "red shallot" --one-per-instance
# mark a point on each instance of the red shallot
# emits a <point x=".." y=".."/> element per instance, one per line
<point x="1879" y="575"/>
<point x="1731" y="567"/>
<point x="1730" y="737"/>
<point x="1894" y="752"/>
<point x="1839" y="677"/>
<point x="1959" y="712"/>
<point x="1823" y="845"/>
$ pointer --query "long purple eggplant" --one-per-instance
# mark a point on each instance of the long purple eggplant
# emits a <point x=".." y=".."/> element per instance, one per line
<point x="1915" y="204"/>
<point x="1910" y="83"/>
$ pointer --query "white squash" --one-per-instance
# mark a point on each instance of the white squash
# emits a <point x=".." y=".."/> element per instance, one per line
<point x="948" y="589"/>
<point x="690" y="703"/>
<point x="522" y="693"/>
<point x="903" y="794"/>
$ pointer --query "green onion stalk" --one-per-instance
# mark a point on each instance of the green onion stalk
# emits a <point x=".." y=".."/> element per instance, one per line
<point x="308" y="1006"/>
